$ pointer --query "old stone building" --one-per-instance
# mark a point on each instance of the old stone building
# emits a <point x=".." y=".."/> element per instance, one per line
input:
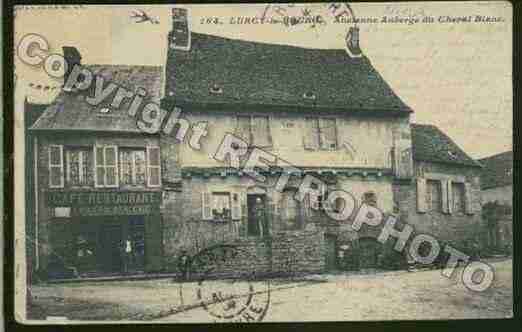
<point x="497" y="200"/>
<point x="326" y="114"/>
<point x="98" y="182"/>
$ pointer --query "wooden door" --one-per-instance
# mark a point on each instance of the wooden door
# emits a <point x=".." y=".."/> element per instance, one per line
<point x="331" y="249"/>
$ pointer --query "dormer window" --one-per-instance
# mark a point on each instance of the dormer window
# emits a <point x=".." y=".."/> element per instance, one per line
<point x="309" y="95"/>
<point x="216" y="89"/>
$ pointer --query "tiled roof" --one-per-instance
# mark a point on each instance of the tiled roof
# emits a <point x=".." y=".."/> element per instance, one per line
<point x="431" y="144"/>
<point x="70" y="111"/>
<point x="227" y="71"/>
<point x="498" y="170"/>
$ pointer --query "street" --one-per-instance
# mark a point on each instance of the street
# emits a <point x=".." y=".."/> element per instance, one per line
<point x="397" y="295"/>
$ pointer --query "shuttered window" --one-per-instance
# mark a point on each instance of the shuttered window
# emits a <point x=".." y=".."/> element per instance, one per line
<point x="327" y="134"/>
<point x="153" y="166"/>
<point x="458" y="190"/>
<point x="56" y="178"/>
<point x="469" y="196"/>
<point x="220" y="206"/>
<point x="255" y="130"/>
<point x="106" y="166"/>
<point x="433" y="195"/>
<point x="320" y="133"/>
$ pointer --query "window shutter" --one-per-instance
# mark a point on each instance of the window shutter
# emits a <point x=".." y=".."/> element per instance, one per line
<point x="153" y="166"/>
<point x="328" y="134"/>
<point x="243" y="128"/>
<point x="421" y="195"/>
<point x="444" y="192"/>
<point x="450" y="196"/>
<point x="469" y="197"/>
<point x="56" y="174"/>
<point x="206" y="206"/>
<point x="311" y="134"/>
<point x="261" y="131"/>
<point x="236" y="206"/>
<point x="99" y="167"/>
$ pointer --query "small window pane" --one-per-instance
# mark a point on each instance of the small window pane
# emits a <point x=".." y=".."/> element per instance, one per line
<point x="110" y="156"/>
<point x="100" y="172"/>
<point x="458" y="197"/>
<point x="55" y="155"/>
<point x="111" y="176"/>
<point x="99" y="156"/>
<point x="56" y="176"/>
<point x="154" y="176"/>
<point x="125" y="167"/>
<point x="139" y="160"/>
<point x="154" y="157"/>
<point x="74" y="167"/>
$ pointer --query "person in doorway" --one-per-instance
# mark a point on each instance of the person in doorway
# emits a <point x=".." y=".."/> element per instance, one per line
<point x="128" y="253"/>
<point x="260" y="217"/>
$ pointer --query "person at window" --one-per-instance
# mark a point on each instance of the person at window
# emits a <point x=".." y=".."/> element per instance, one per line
<point x="260" y="217"/>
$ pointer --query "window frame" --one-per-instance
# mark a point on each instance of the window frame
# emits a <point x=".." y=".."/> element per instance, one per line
<point x="105" y="166"/>
<point x="316" y="143"/>
<point x="132" y="151"/>
<point x="82" y="160"/>
<point x="429" y="198"/>
<point x="462" y="195"/>
<point x="251" y="139"/>
<point x="149" y="166"/>
<point x="60" y="166"/>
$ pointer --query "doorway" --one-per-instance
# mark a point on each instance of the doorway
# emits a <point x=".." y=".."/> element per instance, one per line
<point x="257" y="215"/>
<point x="110" y="247"/>
<point x="369" y="250"/>
<point x="331" y="250"/>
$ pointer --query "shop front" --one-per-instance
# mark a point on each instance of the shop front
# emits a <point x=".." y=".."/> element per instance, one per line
<point x="105" y="233"/>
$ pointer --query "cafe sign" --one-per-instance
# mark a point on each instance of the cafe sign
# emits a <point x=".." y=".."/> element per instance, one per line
<point x="106" y="203"/>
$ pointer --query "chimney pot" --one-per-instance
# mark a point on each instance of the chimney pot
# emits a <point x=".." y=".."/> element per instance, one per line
<point x="179" y="36"/>
<point x="352" y="42"/>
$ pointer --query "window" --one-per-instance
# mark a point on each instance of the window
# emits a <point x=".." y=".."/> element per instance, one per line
<point x="255" y="130"/>
<point x="106" y="166"/>
<point x="79" y="167"/>
<point x="320" y="133"/>
<point x="132" y="167"/>
<point x="433" y="195"/>
<point x="459" y="198"/>
<point x="290" y="210"/>
<point x="153" y="166"/>
<point x="220" y="206"/>
<point x="56" y="166"/>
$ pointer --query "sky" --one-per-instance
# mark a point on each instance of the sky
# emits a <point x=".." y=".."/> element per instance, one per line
<point x="456" y="76"/>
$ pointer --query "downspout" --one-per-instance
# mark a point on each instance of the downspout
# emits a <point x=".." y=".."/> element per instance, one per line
<point x="36" y="246"/>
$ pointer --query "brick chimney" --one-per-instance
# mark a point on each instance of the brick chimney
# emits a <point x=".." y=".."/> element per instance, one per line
<point x="73" y="57"/>
<point x="352" y="42"/>
<point x="179" y="36"/>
